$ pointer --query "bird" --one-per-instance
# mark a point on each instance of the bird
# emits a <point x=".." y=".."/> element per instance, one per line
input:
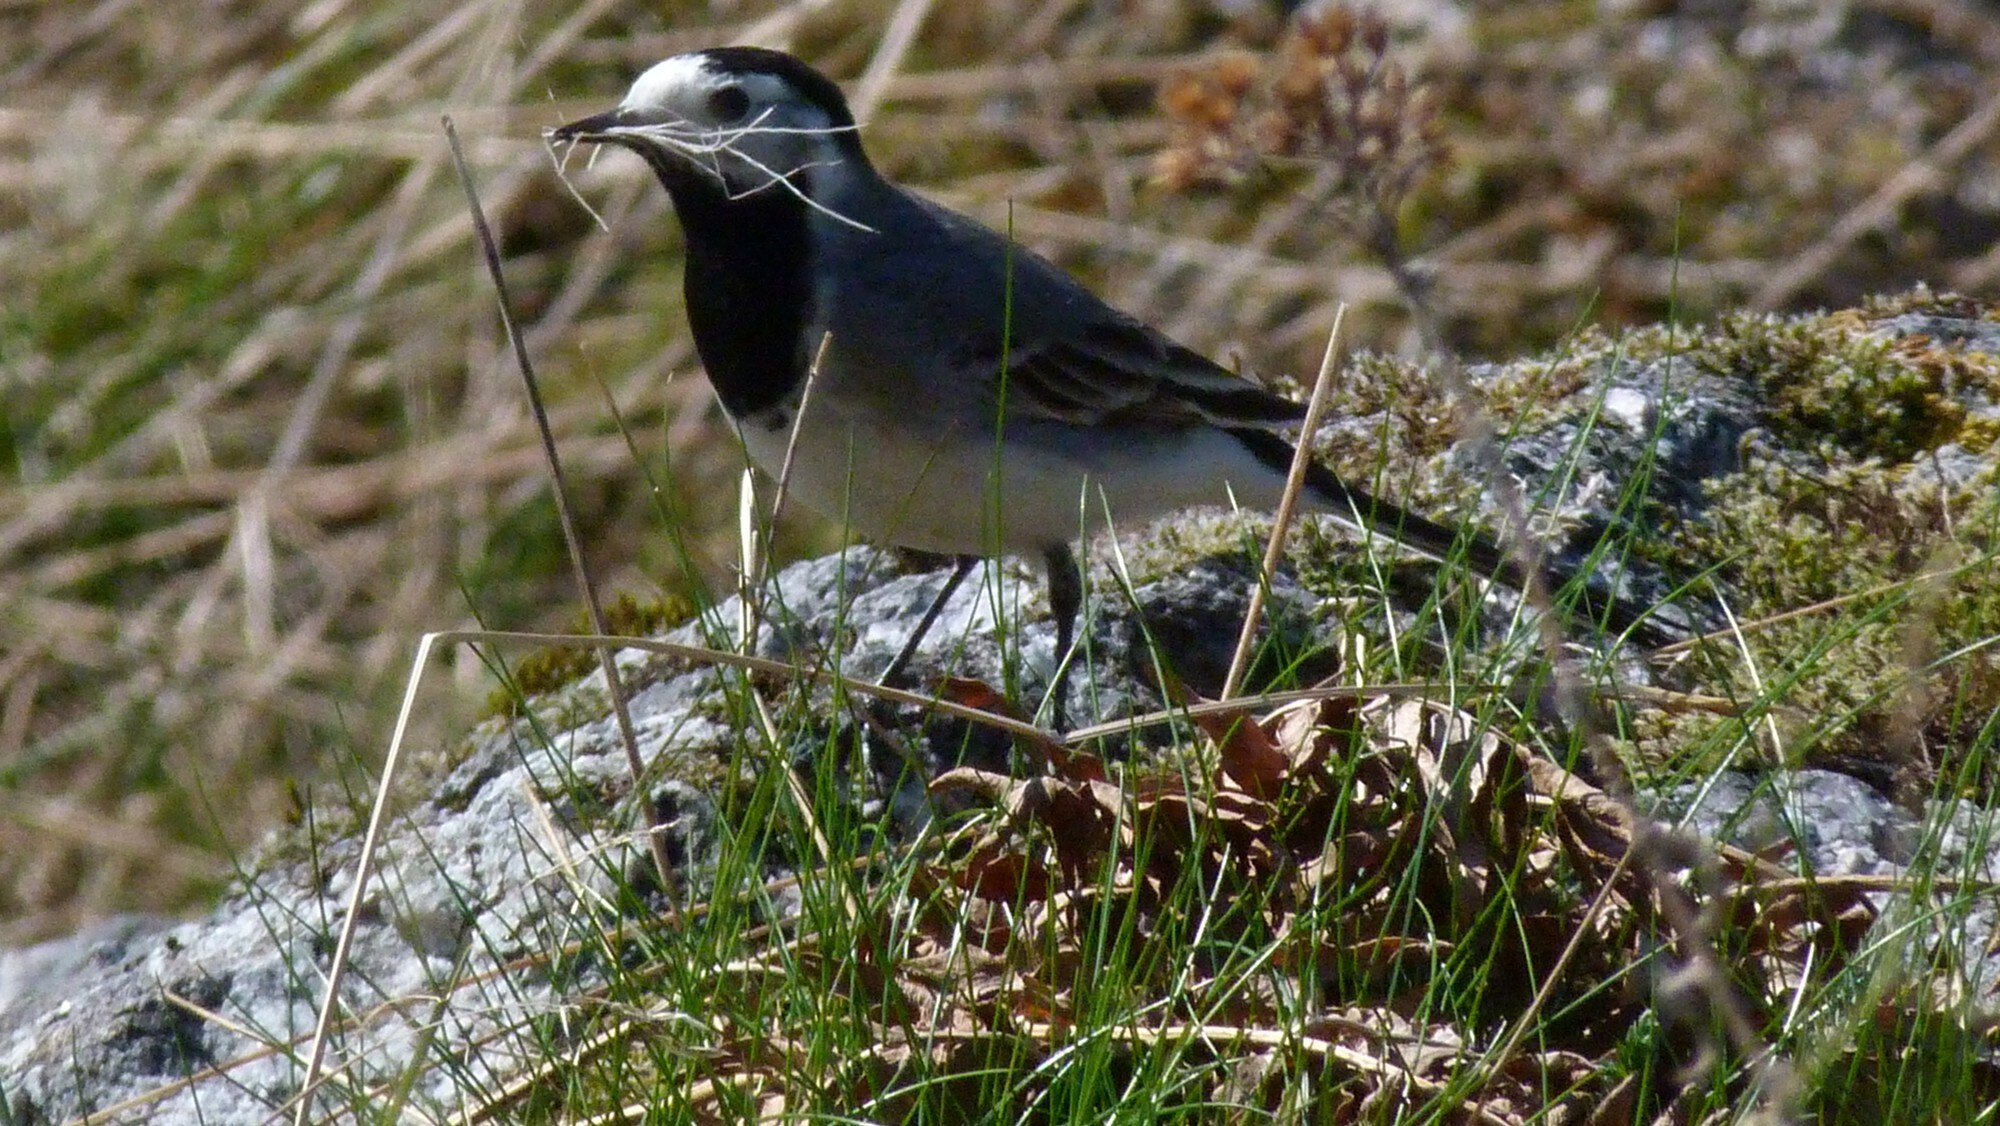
<point x="936" y="385"/>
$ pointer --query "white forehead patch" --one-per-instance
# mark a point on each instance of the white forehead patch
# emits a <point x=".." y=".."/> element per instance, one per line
<point x="655" y="89"/>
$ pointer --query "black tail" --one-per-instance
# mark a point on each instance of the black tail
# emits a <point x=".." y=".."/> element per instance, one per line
<point x="1444" y="544"/>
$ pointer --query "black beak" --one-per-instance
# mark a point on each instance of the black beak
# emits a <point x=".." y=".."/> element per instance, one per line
<point x="593" y="128"/>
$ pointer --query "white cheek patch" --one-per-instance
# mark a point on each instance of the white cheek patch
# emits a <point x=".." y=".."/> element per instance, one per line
<point x="656" y="88"/>
<point x="740" y="157"/>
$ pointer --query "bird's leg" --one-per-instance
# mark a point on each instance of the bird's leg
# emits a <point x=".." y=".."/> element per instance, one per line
<point x="961" y="567"/>
<point x="1065" y="579"/>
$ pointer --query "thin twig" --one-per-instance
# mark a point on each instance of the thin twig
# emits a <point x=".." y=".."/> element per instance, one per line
<point x="364" y="865"/>
<point x="606" y="655"/>
<point x="1281" y="521"/>
<point x="798" y="427"/>
<point x="702" y="148"/>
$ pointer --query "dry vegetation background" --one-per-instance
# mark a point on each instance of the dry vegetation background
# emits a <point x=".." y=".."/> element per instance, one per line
<point x="260" y="431"/>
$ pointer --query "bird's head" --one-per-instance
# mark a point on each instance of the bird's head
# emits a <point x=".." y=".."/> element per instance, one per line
<point x="731" y="120"/>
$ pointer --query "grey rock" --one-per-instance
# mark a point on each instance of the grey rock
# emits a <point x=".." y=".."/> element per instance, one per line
<point x="1836" y="824"/>
<point x="33" y="977"/>
<point x="1825" y="824"/>
<point x="1950" y="332"/>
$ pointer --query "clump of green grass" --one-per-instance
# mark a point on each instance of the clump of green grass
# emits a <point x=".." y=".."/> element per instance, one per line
<point x="1374" y="899"/>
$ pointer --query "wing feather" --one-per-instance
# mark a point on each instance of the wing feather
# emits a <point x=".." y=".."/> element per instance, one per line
<point x="1120" y="371"/>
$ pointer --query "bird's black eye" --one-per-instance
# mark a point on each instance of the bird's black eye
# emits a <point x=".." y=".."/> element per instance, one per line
<point x="728" y="103"/>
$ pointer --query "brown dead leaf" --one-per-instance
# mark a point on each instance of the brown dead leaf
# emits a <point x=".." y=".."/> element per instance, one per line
<point x="994" y="788"/>
<point x="1080" y="819"/>
<point x="1002" y="874"/>
<point x="1316" y="730"/>
<point x="1250" y="758"/>
<point x="1376" y="838"/>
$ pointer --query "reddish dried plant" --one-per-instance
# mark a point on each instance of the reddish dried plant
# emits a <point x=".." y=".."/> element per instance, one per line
<point x="1328" y="94"/>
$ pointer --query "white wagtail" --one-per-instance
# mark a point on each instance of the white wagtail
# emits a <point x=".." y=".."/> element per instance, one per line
<point x="969" y="398"/>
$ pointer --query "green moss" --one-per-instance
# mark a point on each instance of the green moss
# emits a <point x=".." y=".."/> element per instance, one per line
<point x="1855" y="537"/>
<point x="1830" y="381"/>
<point x="1849" y="515"/>
<point x="555" y="667"/>
<point x="1929" y="302"/>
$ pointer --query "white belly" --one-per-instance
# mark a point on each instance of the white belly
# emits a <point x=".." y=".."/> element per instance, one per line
<point x="918" y="483"/>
